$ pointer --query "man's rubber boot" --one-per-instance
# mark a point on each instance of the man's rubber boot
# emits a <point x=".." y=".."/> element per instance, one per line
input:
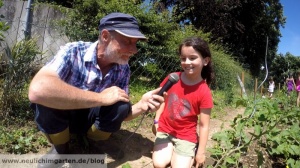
<point x="60" y="145"/>
<point x="47" y="161"/>
<point x="106" y="147"/>
<point x="99" y="143"/>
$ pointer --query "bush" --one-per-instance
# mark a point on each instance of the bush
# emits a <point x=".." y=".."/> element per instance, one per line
<point x="20" y="62"/>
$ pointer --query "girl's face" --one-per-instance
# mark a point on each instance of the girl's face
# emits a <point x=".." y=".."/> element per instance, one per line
<point x="192" y="61"/>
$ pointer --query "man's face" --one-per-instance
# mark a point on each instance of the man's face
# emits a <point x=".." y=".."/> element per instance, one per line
<point x="120" y="48"/>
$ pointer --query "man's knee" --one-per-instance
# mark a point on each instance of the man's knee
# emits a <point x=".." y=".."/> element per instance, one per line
<point x="122" y="109"/>
<point x="49" y="120"/>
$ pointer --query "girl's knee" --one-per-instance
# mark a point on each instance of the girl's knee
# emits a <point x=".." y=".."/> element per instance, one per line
<point x="159" y="163"/>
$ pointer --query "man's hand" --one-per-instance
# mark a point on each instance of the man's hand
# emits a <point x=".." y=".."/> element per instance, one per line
<point x="112" y="95"/>
<point x="151" y="101"/>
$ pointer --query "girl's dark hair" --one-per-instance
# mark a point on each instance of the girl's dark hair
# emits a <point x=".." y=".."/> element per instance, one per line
<point x="202" y="47"/>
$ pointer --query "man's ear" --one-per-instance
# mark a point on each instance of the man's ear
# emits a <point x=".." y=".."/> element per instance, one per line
<point x="105" y="36"/>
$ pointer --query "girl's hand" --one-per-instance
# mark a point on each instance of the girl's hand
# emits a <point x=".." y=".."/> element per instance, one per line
<point x="200" y="159"/>
<point x="154" y="128"/>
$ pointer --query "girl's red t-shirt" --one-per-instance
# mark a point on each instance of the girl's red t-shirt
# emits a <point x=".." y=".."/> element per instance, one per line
<point x="182" y="107"/>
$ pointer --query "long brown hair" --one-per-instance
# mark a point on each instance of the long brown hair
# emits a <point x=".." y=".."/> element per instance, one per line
<point x="202" y="47"/>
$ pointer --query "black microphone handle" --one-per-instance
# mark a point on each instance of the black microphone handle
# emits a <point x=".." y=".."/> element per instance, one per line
<point x="166" y="87"/>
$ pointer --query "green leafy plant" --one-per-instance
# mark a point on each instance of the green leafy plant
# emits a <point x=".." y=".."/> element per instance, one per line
<point x="126" y="165"/>
<point x="272" y="124"/>
<point x="20" y="61"/>
<point x="21" y="141"/>
<point x="3" y="25"/>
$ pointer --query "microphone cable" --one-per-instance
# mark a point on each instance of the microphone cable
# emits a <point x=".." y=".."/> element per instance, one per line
<point x="255" y="100"/>
<point x="138" y="126"/>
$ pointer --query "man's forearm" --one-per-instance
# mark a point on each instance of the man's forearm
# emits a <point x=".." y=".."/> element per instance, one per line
<point x="136" y="110"/>
<point x="52" y="92"/>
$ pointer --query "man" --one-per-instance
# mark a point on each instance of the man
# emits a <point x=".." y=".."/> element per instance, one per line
<point x="84" y="89"/>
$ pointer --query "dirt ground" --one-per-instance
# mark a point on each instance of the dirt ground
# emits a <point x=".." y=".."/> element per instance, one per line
<point x="138" y="145"/>
<point x="138" y="149"/>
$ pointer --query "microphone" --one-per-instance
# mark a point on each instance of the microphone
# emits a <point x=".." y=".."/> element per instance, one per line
<point x="173" y="78"/>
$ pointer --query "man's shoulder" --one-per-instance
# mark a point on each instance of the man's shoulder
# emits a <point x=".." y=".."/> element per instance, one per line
<point x="79" y="44"/>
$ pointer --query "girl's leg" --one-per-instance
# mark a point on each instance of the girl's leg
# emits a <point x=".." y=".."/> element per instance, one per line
<point x="180" y="161"/>
<point x="184" y="153"/>
<point x="162" y="154"/>
<point x="271" y="94"/>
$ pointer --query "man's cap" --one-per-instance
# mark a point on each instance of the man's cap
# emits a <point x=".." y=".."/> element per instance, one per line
<point x="122" y="23"/>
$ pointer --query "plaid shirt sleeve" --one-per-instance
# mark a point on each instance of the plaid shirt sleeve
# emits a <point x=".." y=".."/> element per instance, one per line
<point x="62" y="62"/>
<point x="70" y="65"/>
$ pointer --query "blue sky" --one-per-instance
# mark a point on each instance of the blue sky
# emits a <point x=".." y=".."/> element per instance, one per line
<point x="290" y="40"/>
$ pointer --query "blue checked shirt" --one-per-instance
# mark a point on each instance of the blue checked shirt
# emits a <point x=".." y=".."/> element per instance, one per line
<point x="76" y="64"/>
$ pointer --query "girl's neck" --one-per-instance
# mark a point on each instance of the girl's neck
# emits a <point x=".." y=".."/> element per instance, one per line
<point x="190" y="80"/>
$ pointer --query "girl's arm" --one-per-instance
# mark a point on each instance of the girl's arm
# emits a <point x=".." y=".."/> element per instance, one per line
<point x="294" y="83"/>
<point x="203" y="136"/>
<point x="157" y="115"/>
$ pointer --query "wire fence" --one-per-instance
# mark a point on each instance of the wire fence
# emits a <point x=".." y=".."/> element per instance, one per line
<point x="37" y="24"/>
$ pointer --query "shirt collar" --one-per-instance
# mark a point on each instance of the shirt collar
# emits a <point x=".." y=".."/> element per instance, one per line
<point x="91" y="56"/>
<point x="91" y="53"/>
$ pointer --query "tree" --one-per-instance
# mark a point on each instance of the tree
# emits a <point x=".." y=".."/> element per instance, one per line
<point x="65" y="3"/>
<point x="154" y="59"/>
<point x="242" y="26"/>
<point x="282" y="65"/>
<point x="158" y="56"/>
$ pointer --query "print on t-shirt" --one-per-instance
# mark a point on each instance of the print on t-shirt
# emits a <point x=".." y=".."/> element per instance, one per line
<point x="178" y="108"/>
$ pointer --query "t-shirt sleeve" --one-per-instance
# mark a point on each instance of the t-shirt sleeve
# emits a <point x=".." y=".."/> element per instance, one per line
<point x="207" y="100"/>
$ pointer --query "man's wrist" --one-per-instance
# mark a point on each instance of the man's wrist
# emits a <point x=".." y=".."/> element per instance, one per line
<point x="155" y="121"/>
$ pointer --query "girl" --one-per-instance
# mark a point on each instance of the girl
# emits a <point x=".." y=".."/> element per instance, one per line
<point x="298" y="88"/>
<point x="271" y="87"/>
<point x="176" y="120"/>
<point x="290" y="84"/>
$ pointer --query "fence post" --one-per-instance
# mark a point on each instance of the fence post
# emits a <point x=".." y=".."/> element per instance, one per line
<point x="27" y="31"/>
<point x="255" y="87"/>
<point x="243" y="83"/>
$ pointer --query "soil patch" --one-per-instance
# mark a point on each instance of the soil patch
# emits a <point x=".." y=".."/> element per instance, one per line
<point x="138" y="149"/>
<point x="137" y="146"/>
